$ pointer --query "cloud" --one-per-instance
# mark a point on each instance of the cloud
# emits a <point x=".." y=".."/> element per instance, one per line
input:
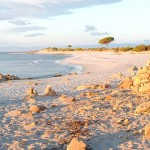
<point x="24" y="29"/>
<point x="20" y="22"/>
<point x="14" y="9"/>
<point x="35" y="35"/>
<point x="90" y="28"/>
<point x="94" y="31"/>
<point x="99" y="33"/>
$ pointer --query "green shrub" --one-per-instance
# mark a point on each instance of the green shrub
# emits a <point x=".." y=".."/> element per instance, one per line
<point x="125" y="49"/>
<point x="148" y="47"/>
<point x="140" y="48"/>
<point x="79" y="49"/>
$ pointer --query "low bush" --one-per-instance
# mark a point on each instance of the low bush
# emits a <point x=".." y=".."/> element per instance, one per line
<point x="140" y="48"/>
<point x="148" y="47"/>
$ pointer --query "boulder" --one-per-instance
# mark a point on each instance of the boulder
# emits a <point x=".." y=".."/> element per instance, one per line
<point x="76" y="144"/>
<point x="143" y="108"/>
<point x="32" y="92"/>
<point x="144" y="88"/>
<point x="66" y="99"/>
<point x="126" y="84"/>
<point x="143" y="76"/>
<point x="49" y="91"/>
<point x="37" y="109"/>
<point x="132" y="69"/>
<point x="136" y="81"/>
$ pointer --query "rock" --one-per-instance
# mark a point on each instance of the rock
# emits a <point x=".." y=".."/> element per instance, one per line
<point x="49" y="91"/>
<point x="142" y="71"/>
<point x="8" y="77"/>
<point x="143" y="76"/>
<point x="90" y="94"/>
<point x="28" y="116"/>
<point x="113" y="92"/>
<point x="141" y="81"/>
<point x="66" y="99"/>
<point x="13" y="113"/>
<point x="136" y="81"/>
<point x="58" y="75"/>
<point x="37" y="109"/>
<point x="145" y="87"/>
<point x="143" y="108"/>
<point x="126" y="84"/>
<point x="118" y="75"/>
<point x="103" y="86"/>
<point x="135" y="88"/>
<point x="29" y="99"/>
<point x="32" y="92"/>
<point x="132" y="69"/>
<point x="147" y="131"/>
<point x="32" y="83"/>
<point x="73" y="73"/>
<point x="83" y="87"/>
<point x="29" y="126"/>
<point x="108" y="97"/>
<point x="123" y="121"/>
<point x="2" y="78"/>
<point x="76" y="144"/>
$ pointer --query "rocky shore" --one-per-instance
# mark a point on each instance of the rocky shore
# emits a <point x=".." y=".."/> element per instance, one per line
<point x="8" y="77"/>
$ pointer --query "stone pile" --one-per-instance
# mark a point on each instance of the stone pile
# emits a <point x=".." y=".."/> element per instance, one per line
<point x="8" y="77"/>
<point x="140" y="82"/>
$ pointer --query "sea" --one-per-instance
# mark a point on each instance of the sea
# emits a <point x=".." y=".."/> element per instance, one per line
<point x="35" y="66"/>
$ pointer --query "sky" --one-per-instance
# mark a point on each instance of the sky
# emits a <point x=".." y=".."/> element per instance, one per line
<point x="58" y="23"/>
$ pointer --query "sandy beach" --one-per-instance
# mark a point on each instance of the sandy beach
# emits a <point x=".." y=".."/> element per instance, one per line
<point x="102" y="116"/>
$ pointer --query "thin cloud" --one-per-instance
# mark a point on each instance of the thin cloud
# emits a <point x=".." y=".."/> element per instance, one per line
<point x="94" y="31"/>
<point x="90" y="28"/>
<point x="99" y="33"/>
<point x="20" y="22"/>
<point x="24" y="29"/>
<point x="35" y="35"/>
<point x="12" y="9"/>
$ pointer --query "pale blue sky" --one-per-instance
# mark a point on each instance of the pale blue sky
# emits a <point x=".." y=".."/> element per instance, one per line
<point x="42" y="23"/>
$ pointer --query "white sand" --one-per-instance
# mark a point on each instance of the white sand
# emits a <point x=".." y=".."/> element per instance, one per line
<point x="98" y="62"/>
<point x="104" y="133"/>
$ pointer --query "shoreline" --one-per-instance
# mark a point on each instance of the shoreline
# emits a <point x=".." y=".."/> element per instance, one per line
<point x="97" y="62"/>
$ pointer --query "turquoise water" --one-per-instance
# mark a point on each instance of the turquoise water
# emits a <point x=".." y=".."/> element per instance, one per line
<point x="34" y="66"/>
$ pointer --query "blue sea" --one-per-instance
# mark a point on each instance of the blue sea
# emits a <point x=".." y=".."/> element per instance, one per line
<point x="35" y="65"/>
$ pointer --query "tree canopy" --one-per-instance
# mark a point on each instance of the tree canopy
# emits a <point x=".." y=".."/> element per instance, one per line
<point x="69" y="46"/>
<point x="106" y="40"/>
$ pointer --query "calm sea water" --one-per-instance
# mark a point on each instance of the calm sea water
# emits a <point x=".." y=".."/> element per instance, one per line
<point x="34" y="66"/>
